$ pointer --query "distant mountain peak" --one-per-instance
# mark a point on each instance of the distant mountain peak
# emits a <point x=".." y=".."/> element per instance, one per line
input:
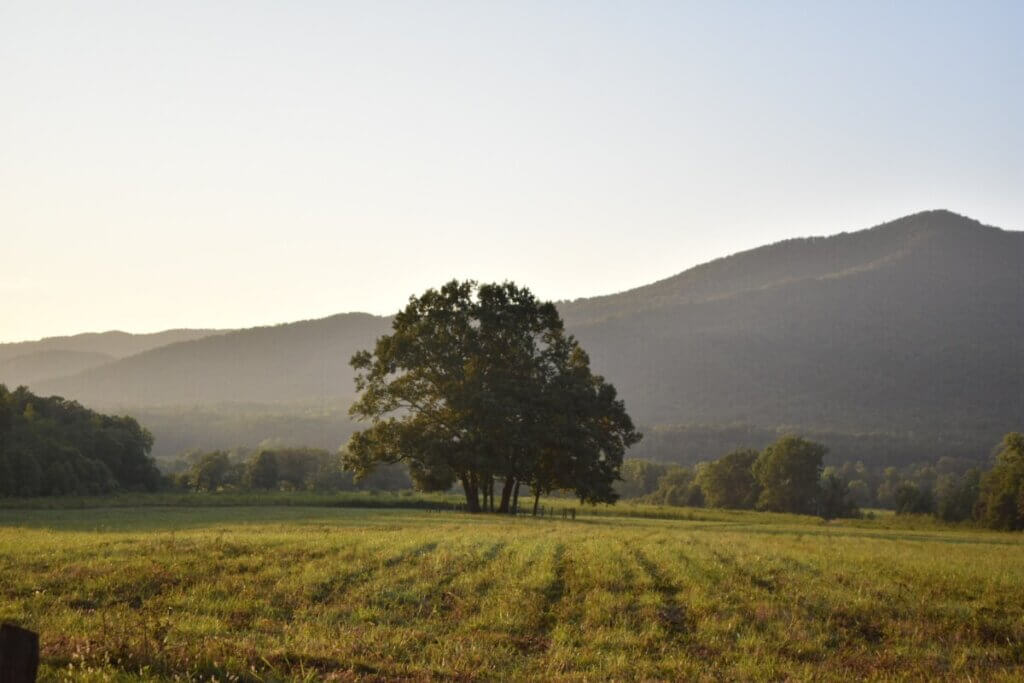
<point x="935" y="220"/>
<point x="112" y="343"/>
<point x="937" y="231"/>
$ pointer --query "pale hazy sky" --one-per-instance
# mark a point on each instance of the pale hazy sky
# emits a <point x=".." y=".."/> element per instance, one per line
<point x="226" y="164"/>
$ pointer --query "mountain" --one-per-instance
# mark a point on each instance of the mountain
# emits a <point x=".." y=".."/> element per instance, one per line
<point x="31" y="368"/>
<point x="910" y="331"/>
<point x="914" y="325"/>
<point x="296" y="362"/>
<point x="114" y="344"/>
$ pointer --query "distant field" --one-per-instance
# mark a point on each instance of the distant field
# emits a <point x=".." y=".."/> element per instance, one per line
<point x="278" y="592"/>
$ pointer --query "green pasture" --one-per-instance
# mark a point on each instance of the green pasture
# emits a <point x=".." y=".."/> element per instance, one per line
<point x="299" y="592"/>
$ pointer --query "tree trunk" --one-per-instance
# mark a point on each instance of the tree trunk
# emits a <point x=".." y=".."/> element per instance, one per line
<point x="536" y="501"/>
<point x="515" y="499"/>
<point x="506" y="494"/>
<point x="479" y="497"/>
<point x="472" y="504"/>
<point x="490" y="492"/>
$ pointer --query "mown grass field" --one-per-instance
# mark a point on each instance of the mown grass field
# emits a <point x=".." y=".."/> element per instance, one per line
<point x="307" y="593"/>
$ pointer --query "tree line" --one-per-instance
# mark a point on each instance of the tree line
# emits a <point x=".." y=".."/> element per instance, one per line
<point x="679" y="444"/>
<point x="277" y="469"/>
<point x="993" y="497"/>
<point x="52" y="446"/>
<point x="788" y="477"/>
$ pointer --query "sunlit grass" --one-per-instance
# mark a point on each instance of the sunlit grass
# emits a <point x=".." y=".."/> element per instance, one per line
<point x="264" y="593"/>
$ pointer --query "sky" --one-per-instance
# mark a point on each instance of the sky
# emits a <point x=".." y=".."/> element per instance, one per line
<point x="230" y="164"/>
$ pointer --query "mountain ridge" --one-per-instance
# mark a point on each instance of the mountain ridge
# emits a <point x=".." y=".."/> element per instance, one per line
<point x="112" y="343"/>
<point x="881" y="235"/>
<point x="914" y="326"/>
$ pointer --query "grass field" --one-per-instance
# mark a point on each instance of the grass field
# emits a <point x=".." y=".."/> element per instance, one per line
<point x="307" y="593"/>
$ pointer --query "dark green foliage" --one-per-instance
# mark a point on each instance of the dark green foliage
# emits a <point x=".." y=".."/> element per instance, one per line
<point x="50" y="446"/>
<point x="911" y="499"/>
<point x="692" y="444"/>
<point x="677" y="487"/>
<point x="262" y="471"/>
<point x="789" y="472"/>
<point x="480" y="384"/>
<point x="835" y="499"/>
<point x="216" y="471"/>
<point x="729" y="482"/>
<point x="1001" y="503"/>
<point x="278" y="469"/>
<point x="860" y="492"/>
<point x="956" y="497"/>
<point x="785" y="477"/>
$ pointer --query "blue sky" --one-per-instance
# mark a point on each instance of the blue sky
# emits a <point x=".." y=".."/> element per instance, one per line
<point x="199" y="164"/>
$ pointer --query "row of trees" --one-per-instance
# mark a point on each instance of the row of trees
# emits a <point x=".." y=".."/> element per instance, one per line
<point x="994" y="498"/>
<point x="281" y="469"/>
<point x="50" y="446"/>
<point x="1000" y="501"/>
<point x="481" y="385"/>
<point x="888" y="487"/>
<point x="867" y="455"/>
<point x="787" y="476"/>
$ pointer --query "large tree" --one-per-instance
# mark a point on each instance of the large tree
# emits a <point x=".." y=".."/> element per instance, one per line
<point x="789" y="472"/>
<point x="481" y="384"/>
<point x="729" y="482"/>
<point x="1001" y="503"/>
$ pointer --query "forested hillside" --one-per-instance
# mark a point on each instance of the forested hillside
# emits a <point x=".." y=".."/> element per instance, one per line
<point x="49" y="446"/>
<point x="925" y="334"/>
<point x="909" y="335"/>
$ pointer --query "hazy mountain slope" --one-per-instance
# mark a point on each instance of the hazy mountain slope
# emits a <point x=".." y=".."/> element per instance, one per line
<point x="931" y="340"/>
<point x="116" y="344"/>
<point x="41" y="365"/>
<point x="774" y="265"/>
<point x="912" y="328"/>
<point x="293" y="362"/>
<point x="927" y="336"/>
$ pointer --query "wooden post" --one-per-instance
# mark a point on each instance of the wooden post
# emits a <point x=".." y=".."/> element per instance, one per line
<point x="19" y="655"/>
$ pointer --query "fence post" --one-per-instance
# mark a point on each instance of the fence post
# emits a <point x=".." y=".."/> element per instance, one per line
<point x="19" y="655"/>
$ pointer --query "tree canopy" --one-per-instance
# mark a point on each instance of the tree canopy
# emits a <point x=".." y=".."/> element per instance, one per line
<point x="1001" y="505"/>
<point x="729" y="482"/>
<point x="479" y="384"/>
<point x="789" y="472"/>
<point x="52" y="446"/>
